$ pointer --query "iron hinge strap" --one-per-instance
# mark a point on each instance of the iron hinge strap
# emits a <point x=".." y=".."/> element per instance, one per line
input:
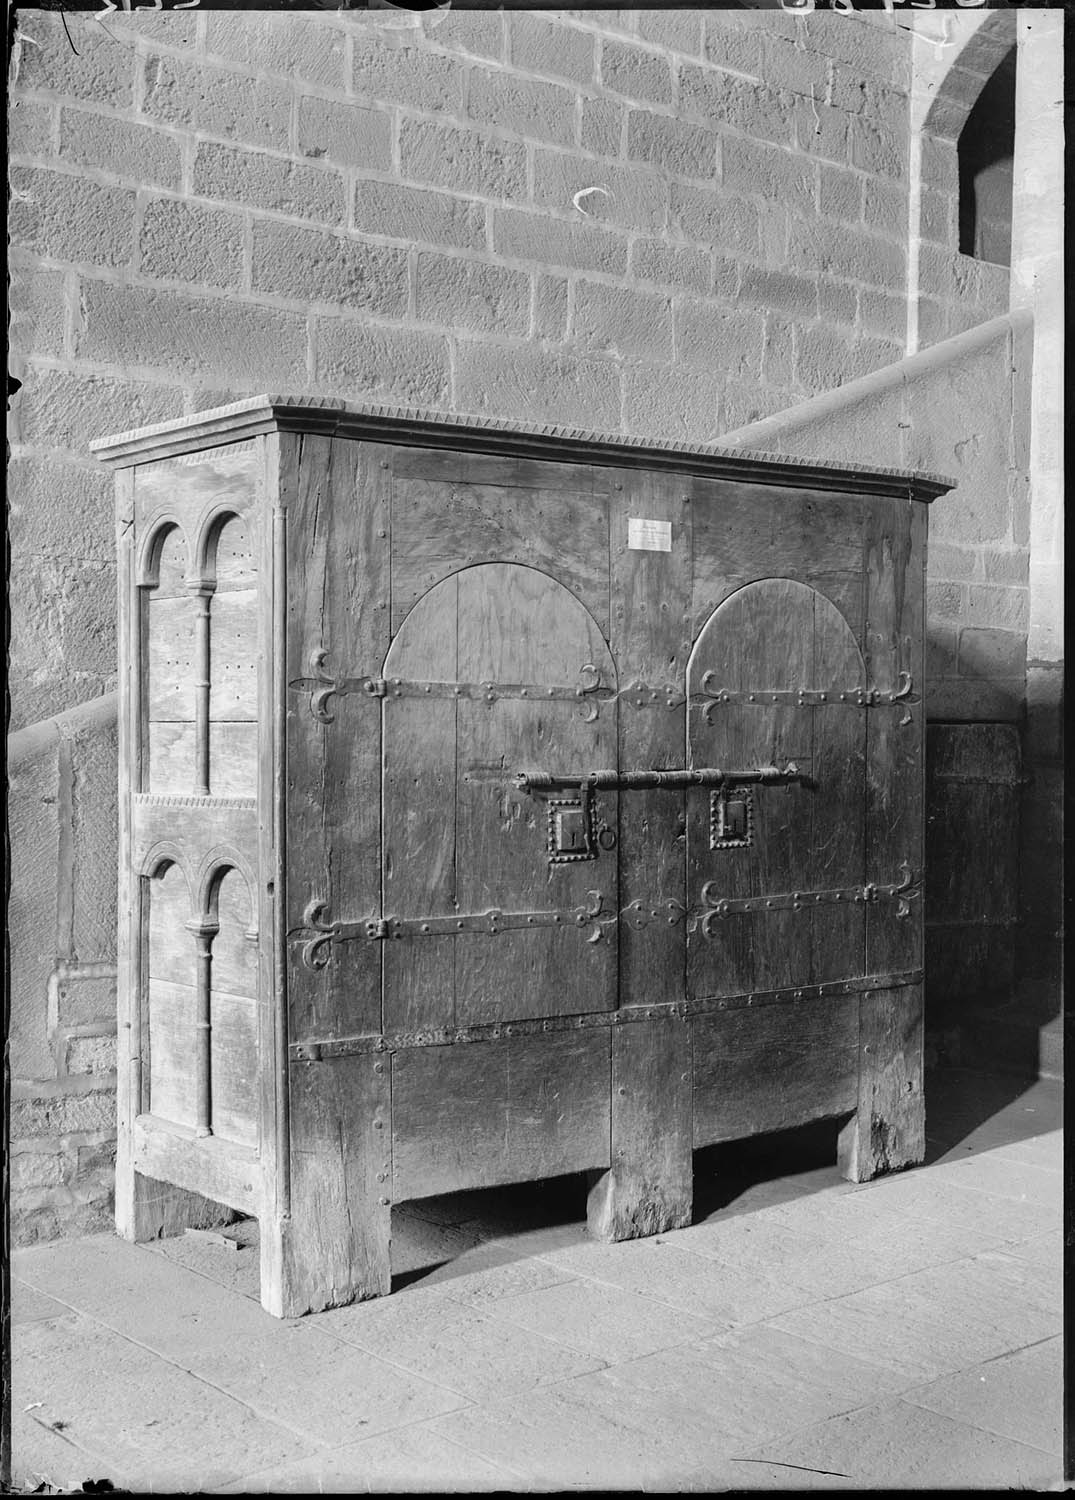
<point x="906" y="889"/>
<point x="590" y="692"/>
<point x="316" y="949"/>
<point x="400" y="1041"/>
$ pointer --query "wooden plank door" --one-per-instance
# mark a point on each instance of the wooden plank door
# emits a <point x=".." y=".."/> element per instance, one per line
<point x="481" y="683"/>
<point x="759" y="648"/>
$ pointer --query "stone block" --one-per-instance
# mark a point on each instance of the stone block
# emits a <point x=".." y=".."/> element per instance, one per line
<point x="869" y="51"/>
<point x="622" y="323"/>
<point x="743" y="404"/>
<point x="86" y="1001"/>
<point x="464" y="160"/>
<point x="543" y="44"/>
<point x="991" y="653"/>
<point x="778" y="356"/>
<point x="847" y="253"/>
<point x="29" y="128"/>
<point x="1004" y="608"/>
<point x="719" y="338"/>
<point x="182" y="241"/>
<point x="90" y="66"/>
<point x="945" y="601"/>
<point x="94" y="822"/>
<point x="948" y="560"/>
<point x="34" y="830"/>
<point x="193" y="335"/>
<point x="937" y="216"/>
<point x="309" y="266"/>
<point x="785" y="65"/>
<point x="91" y="1054"/>
<point x="143" y="156"/>
<point x="356" y="358"/>
<point x="680" y="149"/>
<point x="635" y="196"/>
<point x="416" y="215"/>
<point x="820" y="130"/>
<point x="88" y="618"/>
<point x="940" y="163"/>
<point x="344" y="133"/>
<point x="301" y="46"/>
<point x="392" y="68"/>
<point x="523" y="106"/>
<point x="826" y="357"/>
<point x="59" y="409"/>
<point x="214" y="101"/>
<point x="875" y="149"/>
<point x="663" y="264"/>
<point x="471" y="294"/>
<point x="880" y="312"/>
<point x="70" y="218"/>
<point x="602" y="126"/>
<point x="778" y="290"/>
<point x="676" y="30"/>
<point x="769" y="171"/>
<point x="885" y="207"/>
<point x="63" y="1114"/>
<point x="839" y="192"/>
<point x="60" y="509"/>
<point x="837" y="301"/>
<point x="704" y="216"/>
<point x="636" y="73"/>
<point x="256" y="180"/>
<point x="537" y="385"/>
<point x="558" y="242"/>
<point x="479" y="33"/>
<point x="735" y="42"/>
<point x="36" y="309"/>
<point x="38" y="1169"/>
<point x="940" y="651"/>
<point x="721" y="100"/>
<point x="550" y="308"/>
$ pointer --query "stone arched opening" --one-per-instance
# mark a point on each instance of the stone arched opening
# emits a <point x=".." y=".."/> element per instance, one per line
<point x="967" y="131"/>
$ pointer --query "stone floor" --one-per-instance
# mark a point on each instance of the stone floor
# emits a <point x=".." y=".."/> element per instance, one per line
<point x="803" y="1333"/>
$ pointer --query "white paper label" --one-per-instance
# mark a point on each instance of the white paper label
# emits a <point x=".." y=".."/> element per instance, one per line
<point x="649" y="536"/>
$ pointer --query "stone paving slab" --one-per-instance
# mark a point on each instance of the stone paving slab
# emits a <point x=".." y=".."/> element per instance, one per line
<point x="413" y="1460"/>
<point x="921" y="1346"/>
<point x="156" y="1424"/>
<point x="1018" y="1396"/>
<point x="552" y="1440"/>
<point x="930" y="1323"/>
<point x="458" y="1347"/>
<point x="896" y="1445"/>
<point x="661" y="1272"/>
<point x="603" y="1321"/>
<point x="28" y="1304"/>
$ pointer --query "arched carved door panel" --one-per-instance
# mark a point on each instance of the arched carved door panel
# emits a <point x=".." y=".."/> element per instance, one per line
<point x="481" y="683"/>
<point x="806" y="838"/>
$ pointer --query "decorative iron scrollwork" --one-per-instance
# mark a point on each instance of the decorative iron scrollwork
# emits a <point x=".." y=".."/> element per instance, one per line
<point x="315" y="951"/>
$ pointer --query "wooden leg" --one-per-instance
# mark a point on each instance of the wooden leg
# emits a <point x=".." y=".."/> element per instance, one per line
<point x="333" y="1246"/>
<point x="649" y="1185"/>
<point x="888" y="1131"/>
<point x="150" y="1210"/>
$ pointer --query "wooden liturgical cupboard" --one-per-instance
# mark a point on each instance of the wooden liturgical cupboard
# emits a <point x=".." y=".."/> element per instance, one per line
<point x="500" y="803"/>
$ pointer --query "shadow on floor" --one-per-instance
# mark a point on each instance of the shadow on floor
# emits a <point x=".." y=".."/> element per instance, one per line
<point x="965" y="1111"/>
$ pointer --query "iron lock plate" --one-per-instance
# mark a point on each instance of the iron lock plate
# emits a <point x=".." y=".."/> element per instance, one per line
<point x="570" y="828"/>
<point x="731" y="817"/>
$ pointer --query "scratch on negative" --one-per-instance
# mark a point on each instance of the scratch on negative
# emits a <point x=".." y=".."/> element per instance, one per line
<point x="806" y="1468"/>
<point x="584" y="193"/>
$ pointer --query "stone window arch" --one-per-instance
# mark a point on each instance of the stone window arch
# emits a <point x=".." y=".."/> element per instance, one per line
<point x="985" y="152"/>
<point x="964" y="200"/>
